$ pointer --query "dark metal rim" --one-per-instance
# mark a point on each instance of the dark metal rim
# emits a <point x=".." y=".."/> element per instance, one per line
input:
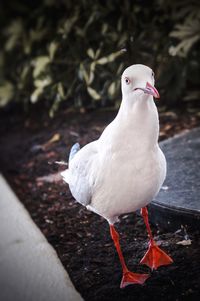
<point x="175" y="210"/>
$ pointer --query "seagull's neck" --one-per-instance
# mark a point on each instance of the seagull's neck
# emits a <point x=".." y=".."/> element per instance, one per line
<point x="139" y="120"/>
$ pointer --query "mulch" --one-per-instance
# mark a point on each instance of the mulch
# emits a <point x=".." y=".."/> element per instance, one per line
<point x="29" y="146"/>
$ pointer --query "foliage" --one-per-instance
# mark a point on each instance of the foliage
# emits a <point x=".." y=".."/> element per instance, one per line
<point x="75" y="51"/>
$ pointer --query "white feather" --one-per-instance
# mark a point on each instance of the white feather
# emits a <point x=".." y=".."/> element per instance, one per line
<point x="65" y="175"/>
<point x="124" y="169"/>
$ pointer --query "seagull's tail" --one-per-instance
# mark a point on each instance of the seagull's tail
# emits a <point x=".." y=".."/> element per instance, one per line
<point x="66" y="174"/>
<point x="75" y="148"/>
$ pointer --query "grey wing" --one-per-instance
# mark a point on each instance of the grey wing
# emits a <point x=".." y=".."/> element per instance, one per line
<point x="82" y="173"/>
<point x="75" y="148"/>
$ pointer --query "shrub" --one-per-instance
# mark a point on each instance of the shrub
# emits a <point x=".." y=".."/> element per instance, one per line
<point x="71" y="51"/>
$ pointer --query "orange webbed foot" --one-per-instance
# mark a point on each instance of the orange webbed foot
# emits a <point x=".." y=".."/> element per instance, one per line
<point x="155" y="257"/>
<point x="133" y="278"/>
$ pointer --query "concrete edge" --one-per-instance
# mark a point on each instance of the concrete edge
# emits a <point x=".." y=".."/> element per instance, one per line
<point x="29" y="266"/>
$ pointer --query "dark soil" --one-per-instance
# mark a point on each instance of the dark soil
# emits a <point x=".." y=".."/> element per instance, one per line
<point x="29" y="146"/>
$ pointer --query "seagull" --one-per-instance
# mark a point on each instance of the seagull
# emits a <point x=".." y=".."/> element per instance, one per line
<point x="124" y="169"/>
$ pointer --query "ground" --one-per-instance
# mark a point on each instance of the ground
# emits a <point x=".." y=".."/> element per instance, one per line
<point x="30" y="144"/>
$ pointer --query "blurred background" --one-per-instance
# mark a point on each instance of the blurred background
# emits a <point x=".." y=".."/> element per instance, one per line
<point x="72" y="53"/>
<point x="60" y="68"/>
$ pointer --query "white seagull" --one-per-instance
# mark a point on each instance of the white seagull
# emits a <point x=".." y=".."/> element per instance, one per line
<point x="124" y="169"/>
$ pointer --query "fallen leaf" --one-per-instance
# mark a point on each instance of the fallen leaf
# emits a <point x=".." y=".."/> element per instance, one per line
<point x="184" y="242"/>
<point x="48" y="221"/>
<point x="164" y="187"/>
<point x="168" y="127"/>
<point x="73" y="133"/>
<point x="55" y="138"/>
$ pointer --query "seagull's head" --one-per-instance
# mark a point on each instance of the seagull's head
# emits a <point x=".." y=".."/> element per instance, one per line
<point x="136" y="79"/>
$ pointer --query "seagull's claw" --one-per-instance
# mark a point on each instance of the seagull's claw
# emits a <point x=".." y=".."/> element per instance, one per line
<point x="155" y="257"/>
<point x="133" y="278"/>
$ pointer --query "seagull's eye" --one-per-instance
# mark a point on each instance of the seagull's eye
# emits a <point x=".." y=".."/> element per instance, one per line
<point x="127" y="80"/>
<point x="152" y="74"/>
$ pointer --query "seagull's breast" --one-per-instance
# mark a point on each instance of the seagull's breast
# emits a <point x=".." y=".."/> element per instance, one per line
<point x="124" y="169"/>
<point x="127" y="181"/>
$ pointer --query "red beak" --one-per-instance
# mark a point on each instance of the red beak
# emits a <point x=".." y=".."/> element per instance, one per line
<point x="151" y="90"/>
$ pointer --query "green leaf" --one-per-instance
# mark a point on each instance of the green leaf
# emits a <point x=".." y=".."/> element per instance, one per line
<point x="37" y="34"/>
<point x="24" y="72"/>
<point x="92" y="66"/>
<point x="110" y="58"/>
<point x="40" y="85"/>
<point x="187" y="33"/>
<point x="183" y="48"/>
<point x="23" y="76"/>
<point x="91" y="78"/>
<point x="35" y="95"/>
<point x="97" y="54"/>
<point x="40" y="64"/>
<point x="112" y="89"/>
<point x="61" y="90"/>
<point x="83" y="73"/>
<point x="13" y="31"/>
<point x="104" y="28"/>
<point x="90" y="53"/>
<point x="68" y="24"/>
<point x="52" y="49"/>
<point x="6" y="93"/>
<point x="93" y="93"/>
<point x="102" y="61"/>
<point x="120" y="68"/>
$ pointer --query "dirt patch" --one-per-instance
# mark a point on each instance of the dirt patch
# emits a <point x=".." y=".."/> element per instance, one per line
<point x="29" y="146"/>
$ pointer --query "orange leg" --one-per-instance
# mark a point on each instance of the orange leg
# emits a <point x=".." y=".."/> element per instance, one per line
<point x="154" y="257"/>
<point x="128" y="277"/>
